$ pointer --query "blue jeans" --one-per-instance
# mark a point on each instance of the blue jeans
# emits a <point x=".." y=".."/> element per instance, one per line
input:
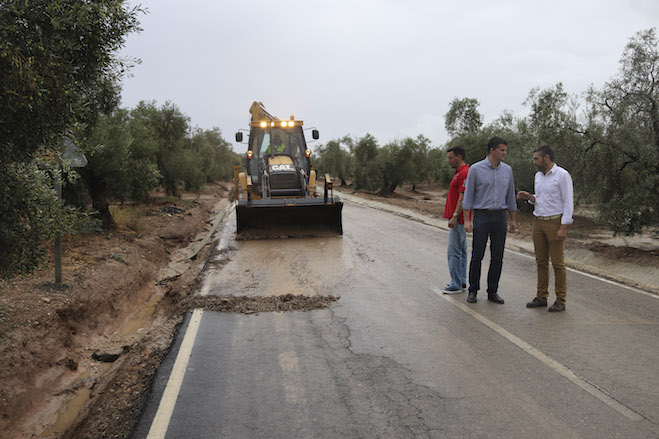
<point x="457" y="256"/>
<point x="492" y="224"/>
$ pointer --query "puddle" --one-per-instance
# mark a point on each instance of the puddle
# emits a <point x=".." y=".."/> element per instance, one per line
<point x="140" y="318"/>
<point x="71" y="411"/>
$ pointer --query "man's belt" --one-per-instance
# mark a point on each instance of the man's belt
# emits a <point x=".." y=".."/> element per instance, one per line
<point x="549" y="218"/>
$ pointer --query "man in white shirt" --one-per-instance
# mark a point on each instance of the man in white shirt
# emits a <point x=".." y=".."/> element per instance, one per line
<point x="554" y="204"/>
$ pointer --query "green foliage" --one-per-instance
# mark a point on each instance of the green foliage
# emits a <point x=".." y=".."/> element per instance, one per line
<point x="31" y="213"/>
<point x="622" y="153"/>
<point x="441" y="171"/>
<point x="58" y="72"/>
<point x="169" y="127"/>
<point x="419" y="150"/>
<point x="334" y="160"/>
<point x="463" y="117"/>
<point x="366" y="170"/>
<point x="124" y="162"/>
<point x="184" y="155"/>
<point x="59" y="67"/>
<point x="214" y="154"/>
<point x="404" y="161"/>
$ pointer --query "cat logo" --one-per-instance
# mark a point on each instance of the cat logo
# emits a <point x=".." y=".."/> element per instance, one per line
<point x="284" y="167"/>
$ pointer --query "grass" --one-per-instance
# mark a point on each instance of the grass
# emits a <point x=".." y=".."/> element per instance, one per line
<point x="577" y="234"/>
<point x="175" y="200"/>
<point x="127" y="216"/>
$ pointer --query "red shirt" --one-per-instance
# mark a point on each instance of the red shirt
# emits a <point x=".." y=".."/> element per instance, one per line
<point x="456" y="187"/>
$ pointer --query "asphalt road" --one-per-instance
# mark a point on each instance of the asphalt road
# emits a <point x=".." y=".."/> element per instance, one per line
<point x="394" y="358"/>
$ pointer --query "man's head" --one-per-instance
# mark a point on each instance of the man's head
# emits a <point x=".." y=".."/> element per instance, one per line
<point x="456" y="156"/>
<point x="543" y="158"/>
<point x="276" y="140"/>
<point x="497" y="149"/>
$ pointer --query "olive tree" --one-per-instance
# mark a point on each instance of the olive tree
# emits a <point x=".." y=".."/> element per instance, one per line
<point x="623" y="139"/>
<point x="58" y="71"/>
<point x="463" y="117"/>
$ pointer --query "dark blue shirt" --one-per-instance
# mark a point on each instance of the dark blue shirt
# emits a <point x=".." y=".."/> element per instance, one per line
<point x="490" y="188"/>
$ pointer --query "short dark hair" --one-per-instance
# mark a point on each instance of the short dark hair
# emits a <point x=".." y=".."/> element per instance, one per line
<point x="495" y="142"/>
<point x="458" y="150"/>
<point x="545" y="150"/>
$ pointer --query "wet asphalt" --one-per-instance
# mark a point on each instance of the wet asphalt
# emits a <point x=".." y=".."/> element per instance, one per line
<point x="394" y="358"/>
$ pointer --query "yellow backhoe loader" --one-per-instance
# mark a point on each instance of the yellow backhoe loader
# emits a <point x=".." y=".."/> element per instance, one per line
<point x="278" y="181"/>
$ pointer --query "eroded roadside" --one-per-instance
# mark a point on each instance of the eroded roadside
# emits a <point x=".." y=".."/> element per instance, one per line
<point x="77" y="360"/>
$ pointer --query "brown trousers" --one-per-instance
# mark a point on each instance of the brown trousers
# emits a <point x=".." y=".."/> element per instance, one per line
<point x="546" y="246"/>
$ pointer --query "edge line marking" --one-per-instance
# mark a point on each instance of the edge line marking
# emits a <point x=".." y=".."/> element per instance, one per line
<point x="545" y="359"/>
<point x="421" y="220"/>
<point x="166" y="408"/>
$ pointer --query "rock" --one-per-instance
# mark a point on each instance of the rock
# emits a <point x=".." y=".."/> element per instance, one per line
<point x="105" y="357"/>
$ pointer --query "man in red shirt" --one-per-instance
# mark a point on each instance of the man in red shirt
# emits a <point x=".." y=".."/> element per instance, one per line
<point x="457" y="237"/>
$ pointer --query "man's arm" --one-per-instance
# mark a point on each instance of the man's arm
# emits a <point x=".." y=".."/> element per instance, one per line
<point x="513" y="221"/>
<point x="512" y="204"/>
<point x="456" y="214"/>
<point x="566" y="188"/>
<point x="468" y="198"/>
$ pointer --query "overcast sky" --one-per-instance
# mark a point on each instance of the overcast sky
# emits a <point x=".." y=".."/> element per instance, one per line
<point x="384" y="67"/>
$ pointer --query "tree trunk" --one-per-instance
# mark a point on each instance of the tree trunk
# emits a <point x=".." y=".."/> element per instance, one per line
<point x="98" y="194"/>
<point x="388" y="188"/>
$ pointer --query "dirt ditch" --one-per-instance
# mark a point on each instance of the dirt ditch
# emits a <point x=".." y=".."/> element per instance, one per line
<point x="76" y="361"/>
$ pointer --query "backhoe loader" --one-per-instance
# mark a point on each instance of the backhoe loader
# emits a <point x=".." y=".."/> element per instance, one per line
<point x="278" y="182"/>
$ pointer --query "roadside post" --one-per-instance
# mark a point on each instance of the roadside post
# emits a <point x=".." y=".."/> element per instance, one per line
<point x="72" y="158"/>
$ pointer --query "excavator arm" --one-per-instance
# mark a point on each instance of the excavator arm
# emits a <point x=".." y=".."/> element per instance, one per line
<point x="258" y="112"/>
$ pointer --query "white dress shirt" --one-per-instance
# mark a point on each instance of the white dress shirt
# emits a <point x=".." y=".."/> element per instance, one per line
<point x="554" y="194"/>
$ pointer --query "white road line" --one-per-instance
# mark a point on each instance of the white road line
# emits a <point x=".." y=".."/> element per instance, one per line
<point x="592" y="276"/>
<point x="170" y="395"/>
<point x="547" y="360"/>
<point x="166" y="407"/>
<point x="428" y="222"/>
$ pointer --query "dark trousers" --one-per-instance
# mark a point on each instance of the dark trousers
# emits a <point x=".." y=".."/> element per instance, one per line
<point x="492" y="224"/>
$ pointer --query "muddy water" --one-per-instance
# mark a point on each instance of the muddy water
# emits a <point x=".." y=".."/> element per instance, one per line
<point x="282" y="266"/>
<point x="139" y="319"/>
<point x="68" y="414"/>
<point x="142" y="316"/>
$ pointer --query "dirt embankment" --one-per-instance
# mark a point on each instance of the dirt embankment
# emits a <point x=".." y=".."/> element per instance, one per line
<point x="80" y="358"/>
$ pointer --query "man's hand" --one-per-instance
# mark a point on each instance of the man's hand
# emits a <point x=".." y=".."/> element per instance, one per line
<point x="512" y="227"/>
<point x="468" y="225"/>
<point x="452" y="222"/>
<point x="523" y="195"/>
<point x="562" y="232"/>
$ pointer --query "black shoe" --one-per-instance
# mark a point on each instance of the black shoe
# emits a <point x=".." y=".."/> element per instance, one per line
<point x="557" y="307"/>
<point x="536" y="303"/>
<point x="494" y="297"/>
<point x="471" y="298"/>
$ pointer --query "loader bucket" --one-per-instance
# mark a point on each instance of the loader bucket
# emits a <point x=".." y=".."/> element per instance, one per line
<point x="294" y="217"/>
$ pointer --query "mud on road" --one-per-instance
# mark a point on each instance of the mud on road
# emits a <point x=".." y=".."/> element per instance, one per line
<point x="253" y="305"/>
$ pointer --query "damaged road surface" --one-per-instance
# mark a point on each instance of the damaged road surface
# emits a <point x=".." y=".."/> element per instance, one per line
<point x="381" y="353"/>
